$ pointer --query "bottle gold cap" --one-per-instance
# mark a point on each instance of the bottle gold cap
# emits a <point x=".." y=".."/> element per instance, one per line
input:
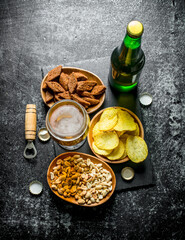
<point x="135" y="29"/>
<point x="43" y="134"/>
<point x="127" y="173"/>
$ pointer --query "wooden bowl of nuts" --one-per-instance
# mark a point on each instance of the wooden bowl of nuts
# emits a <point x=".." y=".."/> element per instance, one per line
<point x="81" y="179"/>
<point x="77" y="84"/>
<point x="109" y="130"/>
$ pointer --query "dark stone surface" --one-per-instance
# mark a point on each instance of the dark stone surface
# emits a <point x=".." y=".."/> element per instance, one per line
<point x="39" y="34"/>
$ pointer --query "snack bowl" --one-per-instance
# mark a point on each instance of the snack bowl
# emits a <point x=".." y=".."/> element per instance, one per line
<point x="94" y="160"/>
<point x="91" y="77"/>
<point x="96" y="118"/>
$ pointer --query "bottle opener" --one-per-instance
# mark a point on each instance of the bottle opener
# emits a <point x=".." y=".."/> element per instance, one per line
<point x="30" y="131"/>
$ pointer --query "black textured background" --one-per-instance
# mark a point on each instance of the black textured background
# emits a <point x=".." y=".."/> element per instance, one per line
<point x="41" y="34"/>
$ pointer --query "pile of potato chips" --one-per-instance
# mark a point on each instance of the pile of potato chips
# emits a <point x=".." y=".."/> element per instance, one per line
<point x="116" y="135"/>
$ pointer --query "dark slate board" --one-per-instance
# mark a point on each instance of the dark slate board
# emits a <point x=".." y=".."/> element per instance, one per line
<point x="144" y="175"/>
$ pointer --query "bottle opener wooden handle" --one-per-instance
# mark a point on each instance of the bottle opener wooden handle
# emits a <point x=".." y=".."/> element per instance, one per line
<point x="30" y="122"/>
<point x="30" y="131"/>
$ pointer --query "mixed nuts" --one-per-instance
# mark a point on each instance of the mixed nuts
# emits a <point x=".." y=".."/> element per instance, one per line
<point x="82" y="179"/>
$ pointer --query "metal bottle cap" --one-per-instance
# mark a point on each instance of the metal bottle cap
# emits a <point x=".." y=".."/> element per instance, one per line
<point x="35" y="187"/>
<point x="145" y="99"/>
<point x="43" y="134"/>
<point x="135" y="29"/>
<point x="127" y="173"/>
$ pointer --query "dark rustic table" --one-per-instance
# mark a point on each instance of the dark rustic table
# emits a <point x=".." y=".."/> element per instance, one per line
<point x="39" y="35"/>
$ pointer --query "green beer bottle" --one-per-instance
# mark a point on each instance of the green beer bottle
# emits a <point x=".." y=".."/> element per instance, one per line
<point x="127" y="60"/>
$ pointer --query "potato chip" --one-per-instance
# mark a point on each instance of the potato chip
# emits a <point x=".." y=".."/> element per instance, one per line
<point x="108" y="113"/>
<point x="96" y="130"/>
<point x="100" y="151"/>
<point x="108" y="119"/>
<point x="120" y="123"/>
<point x="118" y="152"/>
<point x="106" y="140"/>
<point x="125" y="122"/>
<point x="124" y="154"/>
<point x="124" y="137"/>
<point x="136" y="148"/>
<point x="120" y="133"/>
<point x="135" y="132"/>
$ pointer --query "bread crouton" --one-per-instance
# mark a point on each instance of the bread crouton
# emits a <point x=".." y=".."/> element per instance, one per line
<point x="63" y="80"/>
<point x="55" y="87"/>
<point x="80" y="77"/>
<point x="80" y="100"/>
<point x="54" y="73"/>
<point x="97" y="90"/>
<point x="91" y="100"/>
<point x="72" y="84"/>
<point x="48" y="96"/>
<point x="86" y="85"/>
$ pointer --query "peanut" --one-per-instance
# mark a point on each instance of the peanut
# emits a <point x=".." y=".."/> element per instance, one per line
<point x="81" y="201"/>
<point x="54" y="187"/>
<point x="57" y="167"/>
<point x="52" y="175"/>
<point x="59" y="161"/>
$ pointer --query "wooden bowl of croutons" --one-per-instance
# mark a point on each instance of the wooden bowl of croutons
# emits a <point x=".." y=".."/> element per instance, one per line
<point x="77" y="84"/>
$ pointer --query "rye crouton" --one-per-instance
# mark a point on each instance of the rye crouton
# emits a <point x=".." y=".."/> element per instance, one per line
<point x="86" y="94"/>
<point x="63" y="80"/>
<point x="91" y="100"/>
<point x="44" y="86"/>
<point x="80" y="77"/>
<point x="55" y="87"/>
<point x="86" y="85"/>
<point x="80" y="100"/>
<point x="72" y="84"/>
<point x="97" y="90"/>
<point x="54" y="73"/>
<point x="48" y="96"/>
<point x="63" y="95"/>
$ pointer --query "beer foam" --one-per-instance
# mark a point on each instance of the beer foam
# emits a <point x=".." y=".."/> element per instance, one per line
<point x="66" y="120"/>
